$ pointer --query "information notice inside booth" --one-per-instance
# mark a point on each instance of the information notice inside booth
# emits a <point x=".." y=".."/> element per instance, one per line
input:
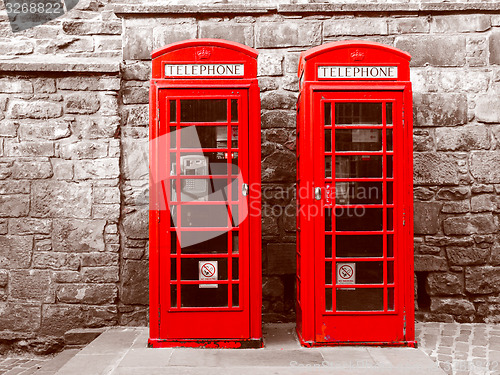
<point x="354" y="189"/>
<point x="205" y="268"/>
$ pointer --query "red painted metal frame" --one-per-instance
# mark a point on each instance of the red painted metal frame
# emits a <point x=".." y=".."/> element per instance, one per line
<point x="191" y="52"/>
<point x="312" y="327"/>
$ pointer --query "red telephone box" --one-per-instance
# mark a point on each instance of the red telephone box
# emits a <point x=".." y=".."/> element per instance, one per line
<point x="205" y="243"/>
<point x="354" y="196"/>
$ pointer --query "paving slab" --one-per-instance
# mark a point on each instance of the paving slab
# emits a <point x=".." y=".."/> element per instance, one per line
<point x="123" y="351"/>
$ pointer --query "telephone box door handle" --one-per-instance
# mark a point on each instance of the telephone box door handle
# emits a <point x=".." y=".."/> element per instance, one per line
<point x="317" y="193"/>
<point x="244" y="190"/>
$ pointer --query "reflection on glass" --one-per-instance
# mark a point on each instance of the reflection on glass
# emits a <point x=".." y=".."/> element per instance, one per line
<point x="358" y="139"/>
<point x="204" y="216"/>
<point x="389" y="140"/>
<point x="173" y="137"/>
<point x="235" y="219"/>
<point x="173" y="295"/>
<point x="328" y="246"/>
<point x="328" y="140"/>
<point x="358" y="219"/>
<point x="390" y="299"/>
<point x="194" y="296"/>
<point x="201" y="164"/>
<point x="173" y="269"/>
<point x="328" y="273"/>
<point x="328" y="166"/>
<point x="204" y="137"/>
<point x="388" y="113"/>
<point x="173" y="241"/>
<point x="358" y="166"/>
<point x="234" y="110"/>
<point x="360" y="299"/>
<point x="190" y="268"/>
<point x="204" y="242"/>
<point x="236" y="295"/>
<point x="358" y="192"/>
<point x="328" y="113"/>
<point x="350" y="246"/>
<point x="203" y="110"/>
<point x="358" y="113"/>
<point x="173" y="111"/>
<point x="328" y="299"/>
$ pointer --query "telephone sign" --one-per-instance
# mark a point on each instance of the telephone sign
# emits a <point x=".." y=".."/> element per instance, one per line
<point x="354" y="247"/>
<point x="205" y="153"/>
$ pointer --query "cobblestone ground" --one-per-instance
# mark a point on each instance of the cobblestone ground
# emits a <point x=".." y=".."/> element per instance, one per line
<point x="462" y="349"/>
<point x="21" y="365"/>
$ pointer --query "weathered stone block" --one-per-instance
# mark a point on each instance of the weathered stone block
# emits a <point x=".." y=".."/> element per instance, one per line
<point x="28" y="149"/>
<point x="31" y="170"/>
<point x="287" y="34"/>
<point x="97" y="169"/>
<point x="110" y="212"/>
<point x="240" y="33"/>
<point x="440" y="283"/>
<point x="15" y="251"/>
<point x="485" y="166"/>
<point x="138" y="43"/>
<point x="86" y="27"/>
<point x="460" y="23"/>
<point x="163" y="35"/>
<point x="423" y="140"/>
<point x="106" y="194"/>
<point x="19" y="317"/>
<point x="466" y="256"/>
<point x="81" y="336"/>
<point x="67" y="276"/>
<point x="73" y="235"/>
<point x="488" y="108"/>
<point x="108" y="43"/>
<point x="482" y="280"/>
<point x="278" y="100"/>
<point x="8" y="128"/>
<point x="99" y="259"/>
<point x="453" y="193"/>
<point x="89" y="83"/>
<point x="138" y="115"/>
<point x="483" y="203"/>
<point x="494" y="42"/>
<point x="355" y="26"/>
<point x="139" y="71"/>
<point x="435" y="169"/>
<point x="15" y="205"/>
<point x="426" y="217"/>
<point x="409" y="25"/>
<point x="430" y="263"/>
<point x="50" y="130"/>
<point x="36" y="110"/>
<point x="292" y="62"/>
<point x="434" y="50"/>
<point x="100" y="274"/>
<point x="278" y="119"/>
<point x="60" y="199"/>
<point x="270" y="64"/>
<point x="279" y="167"/>
<point x="272" y="287"/>
<point x="83" y="150"/>
<point x="14" y="187"/>
<point x="56" y="261"/>
<point x="134" y="289"/>
<point x="44" y="85"/>
<point x="30" y="226"/>
<point x="463" y="138"/>
<point x="94" y="128"/>
<point x="135" y="158"/>
<point x="4" y="278"/>
<point x="454" y="306"/>
<point x="439" y="109"/>
<point x="81" y="103"/>
<point x="90" y="294"/>
<point x="456" y="207"/>
<point x="109" y="104"/>
<point x="470" y="224"/>
<point x="31" y="285"/>
<point x="136" y="224"/>
<point x="135" y="94"/>
<point x="281" y="258"/>
<point x="15" y="85"/>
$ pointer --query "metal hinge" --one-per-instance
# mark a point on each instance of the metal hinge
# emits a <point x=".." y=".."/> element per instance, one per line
<point x="159" y="315"/>
<point x="404" y="217"/>
<point x="404" y="323"/>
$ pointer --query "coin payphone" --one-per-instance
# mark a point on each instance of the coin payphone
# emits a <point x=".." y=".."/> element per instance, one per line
<point x="205" y="242"/>
<point x="354" y="196"/>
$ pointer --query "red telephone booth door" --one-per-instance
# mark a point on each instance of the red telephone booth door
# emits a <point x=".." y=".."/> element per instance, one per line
<point x="204" y="288"/>
<point x="359" y="250"/>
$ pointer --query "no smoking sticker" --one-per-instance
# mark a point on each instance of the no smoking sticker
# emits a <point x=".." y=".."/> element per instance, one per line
<point x="208" y="270"/>
<point x="346" y="273"/>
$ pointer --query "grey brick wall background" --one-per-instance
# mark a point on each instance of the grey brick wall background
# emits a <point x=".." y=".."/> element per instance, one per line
<point x="73" y="153"/>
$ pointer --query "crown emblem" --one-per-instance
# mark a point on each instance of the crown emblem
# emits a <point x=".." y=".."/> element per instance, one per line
<point x="357" y="55"/>
<point x="203" y="53"/>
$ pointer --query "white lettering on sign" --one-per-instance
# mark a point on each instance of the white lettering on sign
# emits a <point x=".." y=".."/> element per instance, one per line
<point x="346" y="273"/>
<point x="208" y="270"/>
<point x="204" y="70"/>
<point x="357" y="72"/>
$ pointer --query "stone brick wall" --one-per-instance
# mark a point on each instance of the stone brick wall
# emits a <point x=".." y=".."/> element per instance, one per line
<point x="73" y="153"/>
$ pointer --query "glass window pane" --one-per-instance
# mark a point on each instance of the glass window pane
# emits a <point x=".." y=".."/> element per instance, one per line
<point x="328" y="299"/>
<point x="368" y="272"/>
<point x="234" y="110"/>
<point x="389" y="139"/>
<point x="328" y="246"/>
<point x="173" y="295"/>
<point x="236" y="295"/>
<point x="234" y="136"/>
<point x="359" y="246"/>
<point x="173" y="269"/>
<point x="235" y="190"/>
<point x="358" y="192"/>
<point x="358" y="219"/>
<point x="328" y="113"/>
<point x="194" y="296"/>
<point x="190" y="268"/>
<point x="360" y="299"/>
<point x="173" y="242"/>
<point x="389" y="166"/>
<point x="358" y="166"/>
<point x="203" y="110"/>
<point x="328" y="167"/>
<point x="390" y="193"/>
<point x="390" y="272"/>
<point x="234" y="163"/>
<point x="235" y="270"/>
<point x="390" y="299"/>
<point x="200" y="164"/>
<point x="388" y="113"/>
<point x="328" y="140"/>
<point x="358" y="113"/>
<point x="390" y="219"/>
<point x="204" y="216"/>
<point x="390" y="245"/>
<point x="173" y="111"/>
<point x="235" y="219"/>
<point x="236" y="244"/>
<point x="204" y="242"/>
<point x="173" y="137"/>
<point x="328" y="273"/>
<point x="204" y="137"/>
<point x="358" y="139"/>
<point x="328" y="219"/>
